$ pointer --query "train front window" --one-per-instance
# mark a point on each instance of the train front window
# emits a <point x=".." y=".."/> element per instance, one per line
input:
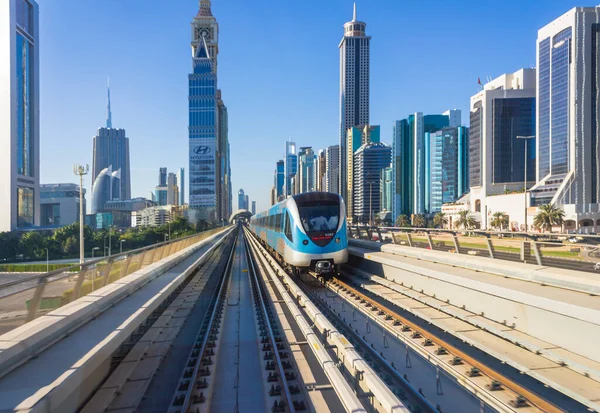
<point x="321" y="217"/>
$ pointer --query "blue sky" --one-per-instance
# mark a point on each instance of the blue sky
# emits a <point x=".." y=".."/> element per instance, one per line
<point x="278" y="69"/>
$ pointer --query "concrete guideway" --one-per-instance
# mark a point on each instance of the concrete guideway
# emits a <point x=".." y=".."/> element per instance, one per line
<point x="62" y="375"/>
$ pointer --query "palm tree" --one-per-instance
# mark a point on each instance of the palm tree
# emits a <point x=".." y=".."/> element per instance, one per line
<point x="499" y="220"/>
<point x="402" y="221"/>
<point x="440" y="220"/>
<point x="465" y="219"/>
<point x="418" y="221"/>
<point x="549" y="216"/>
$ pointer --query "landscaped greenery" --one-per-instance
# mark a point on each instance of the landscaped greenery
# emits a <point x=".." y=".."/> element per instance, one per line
<point x="31" y="267"/>
<point x="63" y="243"/>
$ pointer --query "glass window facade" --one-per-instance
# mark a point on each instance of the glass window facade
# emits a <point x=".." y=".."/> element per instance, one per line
<point x="50" y="215"/>
<point x="544" y="105"/>
<point x="475" y="144"/>
<point x="25" y="207"/>
<point x="25" y="88"/>
<point x="594" y="132"/>
<point x="24" y="16"/>
<point x="561" y="60"/>
<point x="511" y="118"/>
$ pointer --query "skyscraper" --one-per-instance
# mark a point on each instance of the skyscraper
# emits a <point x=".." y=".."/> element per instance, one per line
<point x="306" y="169"/>
<point x="172" y="189"/>
<point x="241" y="199"/>
<point x="409" y="159"/>
<point x="111" y="155"/>
<point x="332" y="166"/>
<point x="162" y="176"/>
<point x="204" y="130"/>
<point x="279" y="180"/>
<point x="291" y="166"/>
<point x="320" y="170"/>
<point x="501" y="111"/>
<point x="370" y="159"/>
<point x="354" y="86"/>
<point x="253" y="208"/>
<point x="355" y="138"/>
<point x="181" y="185"/>
<point x="568" y="109"/>
<point x="19" y="116"/>
<point x="223" y="170"/>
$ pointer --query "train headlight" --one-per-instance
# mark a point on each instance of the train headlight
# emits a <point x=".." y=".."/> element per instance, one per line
<point x="305" y="242"/>
<point x="338" y="240"/>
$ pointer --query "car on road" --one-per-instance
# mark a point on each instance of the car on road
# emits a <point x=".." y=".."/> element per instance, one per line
<point x="597" y="266"/>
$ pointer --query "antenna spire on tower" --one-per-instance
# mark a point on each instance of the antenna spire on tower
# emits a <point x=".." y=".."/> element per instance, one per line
<point x="354" y="14"/>
<point x="108" y="114"/>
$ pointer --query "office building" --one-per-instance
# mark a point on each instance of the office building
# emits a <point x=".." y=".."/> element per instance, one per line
<point x="503" y="110"/>
<point x="241" y="199"/>
<point x="162" y="176"/>
<point x="279" y="181"/>
<point x="181" y="185"/>
<point x="154" y="216"/>
<point x="306" y="169"/>
<point x="332" y="169"/>
<point x="172" y="190"/>
<point x="291" y="167"/>
<point x="253" y="207"/>
<point x="247" y="203"/>
<point x="448" y="166"/>
<point x="408" y="161"/>
<point x="320" y="170"/>
<point x="356" y="137"/>
<point x="161" y="194"/>
<point x="369" y="160"/>
<point x="59" y="205"/>
<point x="203" y="117"/>
<point x="385" y="189"/>
<point x="355" y="58"/>
<point x="19" y="115"/>
<point x="568" y="108"/>
<point x="273" y="196"/>
<point x="223" y="169"/>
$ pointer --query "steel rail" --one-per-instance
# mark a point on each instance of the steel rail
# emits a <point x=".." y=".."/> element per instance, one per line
<point x="531" y="397"/>
<point x="204" y="334"/>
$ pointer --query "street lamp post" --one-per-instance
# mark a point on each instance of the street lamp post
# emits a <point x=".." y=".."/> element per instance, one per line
<point x="121" y="246"/>
<point x="109" y="240"/>
<point x="81" y="170"/>
<point x="47" y="261"/>
<point x="525" y="138"/>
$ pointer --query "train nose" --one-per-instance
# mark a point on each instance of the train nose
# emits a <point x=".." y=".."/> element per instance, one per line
<point x="322" y="267"/>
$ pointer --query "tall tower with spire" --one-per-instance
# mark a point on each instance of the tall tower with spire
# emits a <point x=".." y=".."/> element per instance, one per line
<point x="209" y="178"/>
<point x="108" y="112"/>
<point x="355" y="61"/>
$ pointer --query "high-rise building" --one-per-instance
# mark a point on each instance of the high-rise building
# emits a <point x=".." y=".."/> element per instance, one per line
<point x="253" y="207"/>
<point x="355" y="138"/>
<point x="161" y="195"/>
<point x="279" y="180"/>
<point x="223" y="169"/>
<point x="172" y="189"/>
<point x="181" y="185"/>
<point x="385" y="189"/>
<point x="321" y="170"/>
<point x="241" y="199"/>
<point x="273" y="196"/>
<point x="448" y="166"/>
<point x="568" y="108"/>
<point x="19" y="115"/>
<point x="291" y="167"/>
<point x="111" y="155"/>
<point x="203" y="117"/>
<point x="332" y="165"/>
<point x="408" y="161"/>
<point x="247" y="203"/>
<point x="501" y="111"/>
<point x="306" y="169"/>
<point x="162" y="176"/>
<point x="369" y="160"/>
<point x="354" y="87"/>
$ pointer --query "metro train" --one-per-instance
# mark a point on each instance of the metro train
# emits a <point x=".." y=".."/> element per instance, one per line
<point x="307" y="232"/>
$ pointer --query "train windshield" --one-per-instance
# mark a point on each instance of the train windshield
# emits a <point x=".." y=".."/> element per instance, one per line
<point x="323" y="216"/>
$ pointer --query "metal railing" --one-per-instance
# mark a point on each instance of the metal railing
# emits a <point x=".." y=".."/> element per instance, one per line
<point x="568" y="251"/>
<point x="23" y="300"/>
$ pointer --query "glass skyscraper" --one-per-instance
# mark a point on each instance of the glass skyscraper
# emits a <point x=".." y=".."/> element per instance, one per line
<point x="19" y="121"/>
<point x="306" y="169"/>
<point x="279" y="180"/>
<point x="291" y="167"/>
<point x="369" y="160"/>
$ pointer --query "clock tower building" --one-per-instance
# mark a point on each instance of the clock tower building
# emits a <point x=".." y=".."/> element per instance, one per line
<point x="204" y="25"/>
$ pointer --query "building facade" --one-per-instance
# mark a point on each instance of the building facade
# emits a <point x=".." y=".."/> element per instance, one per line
<point x="306" y="170"/>
<point x="223" y="169"/>
<point x="162" y="176"/>
<point x="410" y="153"/>
<point x="320" y="170"/>
<point x="19" y="115"/>
<point x="369" y="161"/>
<point x="385" y="189"/>
<point x="253" y="207"/>
<point x="279" y="181"/>
<point x="355" y="138"/>
<point x="181" y="185"/>
<point x="204" y="165"/>
<point x="241" y="199"/>
<point x="59" y="205"/>
<point x="501" y="111"/>
<point x="172" y="189"/>
<point x="291" y="167"/>
<point x="355" y="55"/>
<point x="568" y="113"/>
<point x="448" y="166"/>
<point x="332" y="169"/>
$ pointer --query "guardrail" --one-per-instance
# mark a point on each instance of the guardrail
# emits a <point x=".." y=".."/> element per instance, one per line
<point x="576" y="252"/>
<point x="24" y="300"/>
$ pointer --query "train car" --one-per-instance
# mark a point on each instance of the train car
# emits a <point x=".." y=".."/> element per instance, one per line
<point x="306" y="231"/>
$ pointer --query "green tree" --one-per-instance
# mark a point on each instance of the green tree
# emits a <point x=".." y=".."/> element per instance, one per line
<point x="402" y="221"/>
<point x="31" y="245"/>
<point x="418" y="220"/>
<point x="499" y="220"/>
<point x="440" y="220"/>
<point x="465" y="220"/>
<point x="548" y="217"/>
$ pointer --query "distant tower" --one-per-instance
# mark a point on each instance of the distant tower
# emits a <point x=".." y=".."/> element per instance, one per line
<point x="108" y="112"/>
<point x="354" y="86"/>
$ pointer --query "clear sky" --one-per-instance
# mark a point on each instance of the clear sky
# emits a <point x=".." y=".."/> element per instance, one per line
<point x="278" y="69"/>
